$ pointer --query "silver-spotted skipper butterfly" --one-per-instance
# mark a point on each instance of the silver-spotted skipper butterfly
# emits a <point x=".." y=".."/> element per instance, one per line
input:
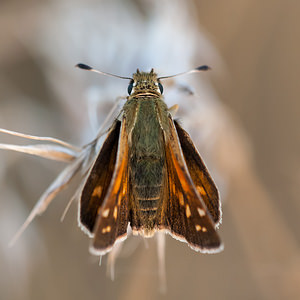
<point x="149" y="175"/>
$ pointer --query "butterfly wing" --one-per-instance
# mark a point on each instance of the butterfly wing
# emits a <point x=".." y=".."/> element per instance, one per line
<point x="112" y="217"/>
<point x="184" y="214"/>
<point x="98" y="181"/>
<point x="199" y="174"/>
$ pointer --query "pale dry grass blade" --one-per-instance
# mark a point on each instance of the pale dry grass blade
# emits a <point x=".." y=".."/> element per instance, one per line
<point x="58" y="184"/>
<point x="53" y="152"/>
<point x="40" y="138"/>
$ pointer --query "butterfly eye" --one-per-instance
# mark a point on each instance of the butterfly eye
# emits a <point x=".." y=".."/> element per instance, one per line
<point x="161" y="88"/>
<point x="130" y="87"/>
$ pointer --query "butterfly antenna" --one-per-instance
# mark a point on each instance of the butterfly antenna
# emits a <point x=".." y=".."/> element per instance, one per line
<point x="88" y="68"/>
<point x="196" y="70"/>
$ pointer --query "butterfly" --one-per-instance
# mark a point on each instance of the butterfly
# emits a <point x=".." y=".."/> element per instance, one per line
<point x="149" y="175"/>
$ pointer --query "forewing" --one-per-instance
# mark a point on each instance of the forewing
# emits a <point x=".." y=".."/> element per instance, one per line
<point x="99" y="179"/>
<point x="199" y="174"/>
<point x="112" y="218"/>
<point x="184" y="214"/>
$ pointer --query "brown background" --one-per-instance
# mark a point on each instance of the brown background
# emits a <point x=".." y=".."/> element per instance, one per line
<point x="257" y="82"/>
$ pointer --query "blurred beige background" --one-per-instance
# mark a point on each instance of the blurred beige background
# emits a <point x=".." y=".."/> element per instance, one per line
<point x="245" y="123"/>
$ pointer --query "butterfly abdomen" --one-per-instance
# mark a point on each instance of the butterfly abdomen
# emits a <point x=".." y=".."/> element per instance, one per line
<point x="147" y="184"/>
<point x="146" y="190"/>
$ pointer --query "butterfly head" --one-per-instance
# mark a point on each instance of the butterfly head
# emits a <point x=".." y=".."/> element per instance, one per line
<point x="145" y="83"/>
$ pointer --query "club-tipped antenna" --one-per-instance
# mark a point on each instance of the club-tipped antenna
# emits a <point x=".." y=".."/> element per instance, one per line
<point x="88" y="68"/>
<point x="196" y="70"/>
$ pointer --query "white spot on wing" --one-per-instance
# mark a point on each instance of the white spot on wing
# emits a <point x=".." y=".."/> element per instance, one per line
<point x="201" y="212"/>
<point x="105" y="213"/>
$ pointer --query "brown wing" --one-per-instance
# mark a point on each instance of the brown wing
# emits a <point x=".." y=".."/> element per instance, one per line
<point x="184" y="214"/>
<point x="99" y="179"/>
<point x="112" y="219"/>
<point x="199" y="174"/>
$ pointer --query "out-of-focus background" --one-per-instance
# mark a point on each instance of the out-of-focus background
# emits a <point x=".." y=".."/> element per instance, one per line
<point x="243" y="116"/>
